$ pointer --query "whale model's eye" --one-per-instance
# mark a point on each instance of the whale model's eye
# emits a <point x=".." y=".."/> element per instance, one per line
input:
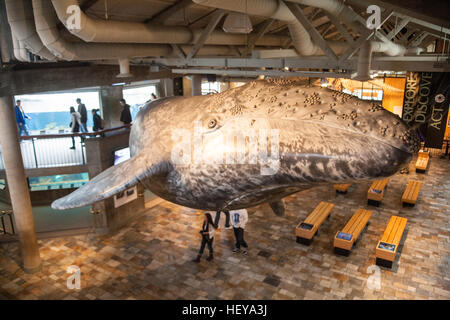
<point x="212" y="123"/>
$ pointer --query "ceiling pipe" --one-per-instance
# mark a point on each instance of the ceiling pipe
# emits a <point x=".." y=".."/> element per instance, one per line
<point x="20" y="53"/>
<point x="124" y="65"/>
<point x="271" y="9"/>
<point x="364" y="62"/>
<point x="46" y="26"/>
<point x="343" y="12"/>
<point x="21" y="21"/>
<point x="112" y="31"/>
<point x="6" y="42"/>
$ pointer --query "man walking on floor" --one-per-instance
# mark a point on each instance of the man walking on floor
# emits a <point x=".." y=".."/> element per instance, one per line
<point x="238" y="220"/>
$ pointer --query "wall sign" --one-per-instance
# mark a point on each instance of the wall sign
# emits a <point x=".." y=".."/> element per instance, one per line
<point x="125" y="197"/>
<point x="426" y="103"/>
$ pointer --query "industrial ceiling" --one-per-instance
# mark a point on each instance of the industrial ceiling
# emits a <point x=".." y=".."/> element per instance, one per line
<point x="291" y="37"/>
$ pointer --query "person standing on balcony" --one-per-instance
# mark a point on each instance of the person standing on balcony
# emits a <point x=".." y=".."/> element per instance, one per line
<point x="97" y="121"/>
<point x="75" y="124"/>
<point x="21" y="117"/>
<point x="125" y="116"/>
<point x="83" y="113"/>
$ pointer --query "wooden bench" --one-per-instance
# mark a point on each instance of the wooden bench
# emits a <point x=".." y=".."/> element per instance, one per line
<point x="306" y="230"/>
<point x="411" y="193"/>
<point x="345" y="239"/>
<point x="422" y="161"/>
<point x="342" y="188"/>
<point x="376" y="192"/>
<point x="388" y="245"/>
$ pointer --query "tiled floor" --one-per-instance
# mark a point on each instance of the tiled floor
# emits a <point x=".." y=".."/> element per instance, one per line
<point x="151" y="259"/>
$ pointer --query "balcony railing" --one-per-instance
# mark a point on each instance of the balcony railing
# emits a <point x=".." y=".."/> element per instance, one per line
<point x="54" y="150"/>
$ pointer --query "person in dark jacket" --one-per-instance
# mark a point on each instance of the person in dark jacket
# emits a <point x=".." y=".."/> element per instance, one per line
<point x="97" y="121"/>
<point x="83" y="113"/>
<point x="21" y="117"/>
<point x="125" y="116"/>
<point x="207" y="233"/>
<point x="75" y="124"/>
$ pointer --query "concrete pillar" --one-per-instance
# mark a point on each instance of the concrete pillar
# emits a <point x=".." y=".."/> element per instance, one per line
<point x="110" y="105"/>
<point x="167" y="85"/>
<point x="187" y="87"/>
<point x="18" y="187"/>
<point x="196" y="85"/>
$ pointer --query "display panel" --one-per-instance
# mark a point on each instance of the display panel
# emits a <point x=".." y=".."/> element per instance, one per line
<point x="121" y="155"/>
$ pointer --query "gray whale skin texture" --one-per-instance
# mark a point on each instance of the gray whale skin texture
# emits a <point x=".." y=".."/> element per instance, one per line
<point x="322" y="137"/>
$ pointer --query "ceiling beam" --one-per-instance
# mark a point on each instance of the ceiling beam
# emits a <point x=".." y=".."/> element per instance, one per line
<point x="366" y="34"/>
<point x="418" y="39"/>
<point x="255" y="73"/>
<point x="397" y="28"/>
<point x="87" y="4"/>
<point x="404" y="37"/>
<point x="163" y="15"/>
<point x="315" y="35"/>
<point x="258" y="34"/>
<point x="178" y="51"/>
<point x="429" y="63"/>
<point x="215" y="19"/>
<point x="45" y="78"/>
<point x="235" y="50"/>
<point x="340" y="27"/>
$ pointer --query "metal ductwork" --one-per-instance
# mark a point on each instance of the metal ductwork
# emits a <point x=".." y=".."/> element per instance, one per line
<point x="20" y="53"/>
<point x="271" y="9"/>
<point x="21" y="21"/>
<point x="364" y="62"/>
<point x="46" y="26"/>
<point x="337" y="8"/>
<point x="300" y="37"/>
<point x="124" y="65"/>
<point x="340" y="10"/>
<point x="97" y="30"/>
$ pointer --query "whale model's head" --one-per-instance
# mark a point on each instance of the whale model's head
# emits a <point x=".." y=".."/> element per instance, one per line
<point x="252" y="144"/>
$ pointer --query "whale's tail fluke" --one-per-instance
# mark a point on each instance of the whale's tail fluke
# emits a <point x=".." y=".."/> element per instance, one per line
<point x="110" y="182"/>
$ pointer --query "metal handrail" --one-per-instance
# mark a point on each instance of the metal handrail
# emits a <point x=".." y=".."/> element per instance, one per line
<point x="49" y="150"/>
<point x="75" y="134"/>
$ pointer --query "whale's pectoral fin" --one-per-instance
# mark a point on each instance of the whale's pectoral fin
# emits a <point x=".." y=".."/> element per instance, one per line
<point x="111" y="181"/>
<point x="278" y="207"/>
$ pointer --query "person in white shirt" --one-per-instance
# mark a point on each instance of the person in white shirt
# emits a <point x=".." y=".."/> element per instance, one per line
<point x="238" y="220"/>
<point x="207" y="233"/>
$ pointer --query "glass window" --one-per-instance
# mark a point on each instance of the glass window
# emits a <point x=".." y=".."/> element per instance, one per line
<point x="137" y="97"/>
<point x="2" y="184"/>
<point x="50" y="112"/>
<point x="63" y="181"/>
<point x="210" y="87"/>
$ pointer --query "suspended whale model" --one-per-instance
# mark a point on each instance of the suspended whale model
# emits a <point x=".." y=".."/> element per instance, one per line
<point x="253" y="144"/>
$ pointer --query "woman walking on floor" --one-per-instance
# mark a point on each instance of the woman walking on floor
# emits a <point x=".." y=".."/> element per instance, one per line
<point x="207" y="233"/>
